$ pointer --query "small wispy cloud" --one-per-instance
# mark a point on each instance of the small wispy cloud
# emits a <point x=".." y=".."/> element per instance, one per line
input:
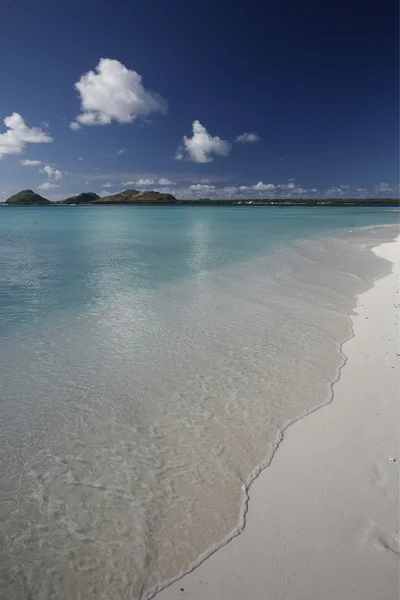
<point x="121" y="151"/>
<point x="334" y="190"/>
<point x="139" y="182"/>
<point x="31" y="163"/>
<point x="204" y="187"/>
<point x="47" y="185"/>
<point x="257" y="187"/>
<point x="248" y="138"/>
<point x="51" y="172"/>
<point x="286" y="186"/>
<point x="108" y="184"/>
<point x="81" y="158"/>
<point x="384" y="187"/>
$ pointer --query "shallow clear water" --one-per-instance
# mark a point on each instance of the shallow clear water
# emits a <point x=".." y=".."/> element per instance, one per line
<point x="67" y="259"/>
<point x="148" y="359"/>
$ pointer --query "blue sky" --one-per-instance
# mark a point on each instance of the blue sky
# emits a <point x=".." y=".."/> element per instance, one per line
<point x="181" y="87"/>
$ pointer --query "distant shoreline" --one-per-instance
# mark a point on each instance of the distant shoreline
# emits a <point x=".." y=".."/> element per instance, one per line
<point x="152" y="198"/>
<point x="387" y="202"/>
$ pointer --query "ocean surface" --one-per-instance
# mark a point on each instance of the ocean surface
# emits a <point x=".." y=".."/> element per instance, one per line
<point x="149" y="360"/>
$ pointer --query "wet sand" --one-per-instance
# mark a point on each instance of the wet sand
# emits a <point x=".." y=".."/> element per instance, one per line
<point x="323" y="518"/>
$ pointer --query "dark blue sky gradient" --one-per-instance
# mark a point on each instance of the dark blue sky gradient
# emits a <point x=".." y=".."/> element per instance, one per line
<point x="318" y="81"/>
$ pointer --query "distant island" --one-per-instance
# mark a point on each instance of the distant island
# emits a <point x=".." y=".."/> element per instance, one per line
<point x="125" y="197"/>
<point x="30" y="198"/>
<point x="149" y="197"/>
<point x="27" y="198"/>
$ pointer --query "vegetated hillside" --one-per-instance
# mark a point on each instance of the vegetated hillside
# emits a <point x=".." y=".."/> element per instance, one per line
<point x="83" y="198"/>
<point x="27" y="198"/>
<point x="136" y="197"/>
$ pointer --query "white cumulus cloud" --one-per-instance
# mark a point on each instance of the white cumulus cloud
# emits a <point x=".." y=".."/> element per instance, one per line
<point x="164" y="181"/>
<point x="113" y="92"/>
<point x="51" y="172"/>
<point x="201" y="146"/>
<point x="263" y="186"/>
<point x="18" y="134"/>
<point x="107" y="185"/>
<point x="248" y="138"/>
<point x="31" y="163"/>
<point x="47" y="185"/>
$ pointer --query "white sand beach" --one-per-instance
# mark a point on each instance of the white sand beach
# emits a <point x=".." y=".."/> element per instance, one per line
<point x="323" y="518"/>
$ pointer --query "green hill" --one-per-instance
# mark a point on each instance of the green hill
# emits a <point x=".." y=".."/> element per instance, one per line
<point x="27" y="198"/>
<point x="83" y="198"/>
<point x="136" y="197"/>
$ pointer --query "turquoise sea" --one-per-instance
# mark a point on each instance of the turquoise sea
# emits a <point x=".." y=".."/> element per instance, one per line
<point x="67" y="259"/>
<point x="149" y="359"/>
